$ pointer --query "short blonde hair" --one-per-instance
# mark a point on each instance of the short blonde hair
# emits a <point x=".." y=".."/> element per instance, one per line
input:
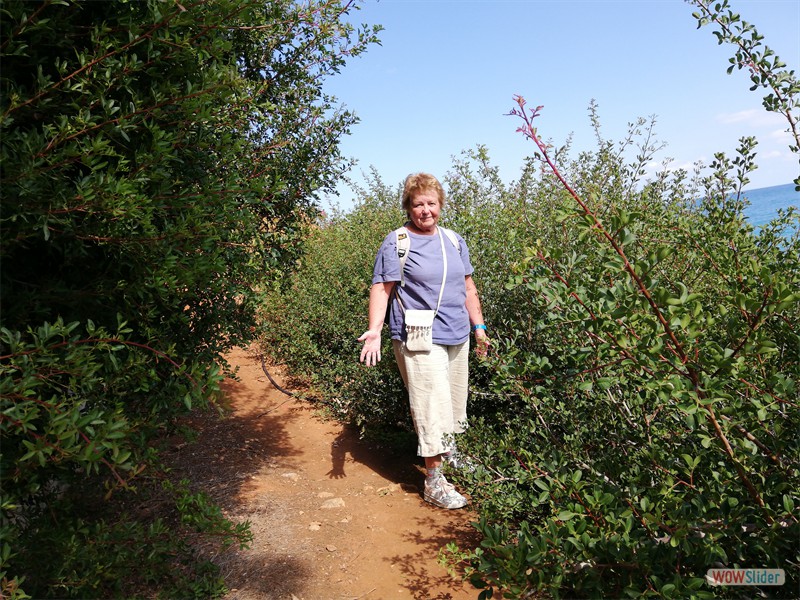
<point x="421" y="182"/>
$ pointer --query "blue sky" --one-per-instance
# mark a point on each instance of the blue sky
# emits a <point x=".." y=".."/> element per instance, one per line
<point x="444" y="78"/>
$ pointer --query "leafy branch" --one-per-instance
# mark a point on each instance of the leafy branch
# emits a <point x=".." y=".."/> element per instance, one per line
<point x="529" y="131"/>
<point x="767" y="70"/>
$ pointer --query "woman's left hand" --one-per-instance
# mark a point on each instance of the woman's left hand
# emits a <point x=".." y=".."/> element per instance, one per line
<point x="482" y="342"/>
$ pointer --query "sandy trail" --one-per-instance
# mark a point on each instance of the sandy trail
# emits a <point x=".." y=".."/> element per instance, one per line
<point x="332" y="518"/>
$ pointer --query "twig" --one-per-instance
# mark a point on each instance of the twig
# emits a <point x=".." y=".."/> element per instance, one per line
<point x="272" y="381"/>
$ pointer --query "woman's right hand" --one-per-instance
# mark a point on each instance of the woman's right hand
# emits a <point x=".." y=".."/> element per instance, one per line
<point x="371" y="351"/>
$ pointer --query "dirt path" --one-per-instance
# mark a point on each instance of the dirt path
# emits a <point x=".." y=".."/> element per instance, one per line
<point x="332" y="518"/>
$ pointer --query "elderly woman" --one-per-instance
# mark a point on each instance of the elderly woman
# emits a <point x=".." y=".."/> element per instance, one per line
<point x="436" y="276"/>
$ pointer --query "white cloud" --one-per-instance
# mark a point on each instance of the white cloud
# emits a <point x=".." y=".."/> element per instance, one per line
<point x="752" y="118"/>
<point x="738" y="117"/>
<point x="780" y="135"/>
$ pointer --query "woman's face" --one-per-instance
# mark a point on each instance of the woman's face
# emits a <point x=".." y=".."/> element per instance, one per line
<point x="424" y="211"/>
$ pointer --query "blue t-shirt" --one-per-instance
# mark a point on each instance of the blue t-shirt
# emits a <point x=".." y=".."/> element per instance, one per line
<point x="423" y="278"/>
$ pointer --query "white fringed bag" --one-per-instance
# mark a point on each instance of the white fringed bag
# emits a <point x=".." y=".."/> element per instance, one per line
<point x="419" y="323"/>
<point x="419" y="330"/>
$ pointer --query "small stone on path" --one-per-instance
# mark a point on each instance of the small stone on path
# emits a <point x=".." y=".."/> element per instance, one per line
<point x="333" y="503"/>
<point x="389" y="489"/>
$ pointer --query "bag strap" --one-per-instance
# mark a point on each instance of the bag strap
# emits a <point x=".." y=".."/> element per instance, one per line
<point x="444" y="270"/>
<point x="451" y="235"/>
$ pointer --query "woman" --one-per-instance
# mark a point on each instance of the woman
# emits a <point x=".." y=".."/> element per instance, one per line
<point x="436" y="380"/>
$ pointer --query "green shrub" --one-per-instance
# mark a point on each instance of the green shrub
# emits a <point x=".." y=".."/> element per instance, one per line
<point x="654" y="433"/>
<point x="158" y="161"/>
<point x="104" y="553"/>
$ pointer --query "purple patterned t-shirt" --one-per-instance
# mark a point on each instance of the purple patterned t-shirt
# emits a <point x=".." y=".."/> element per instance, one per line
<point x="423" y="278"/>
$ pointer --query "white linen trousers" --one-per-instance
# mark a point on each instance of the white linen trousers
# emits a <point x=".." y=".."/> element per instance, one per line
<point x="437" y="384"/>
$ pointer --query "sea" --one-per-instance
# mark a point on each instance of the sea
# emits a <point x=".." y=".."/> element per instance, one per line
<point x="765" y="202"/>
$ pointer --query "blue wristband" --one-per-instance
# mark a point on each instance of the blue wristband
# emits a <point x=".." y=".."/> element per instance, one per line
<point x="479" y="326"/>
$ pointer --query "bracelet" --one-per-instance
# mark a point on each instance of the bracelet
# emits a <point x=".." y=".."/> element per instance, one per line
<point x="479" y="326"/>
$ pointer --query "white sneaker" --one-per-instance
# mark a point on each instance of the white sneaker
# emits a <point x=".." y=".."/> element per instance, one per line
<point x="443" y="494"/>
